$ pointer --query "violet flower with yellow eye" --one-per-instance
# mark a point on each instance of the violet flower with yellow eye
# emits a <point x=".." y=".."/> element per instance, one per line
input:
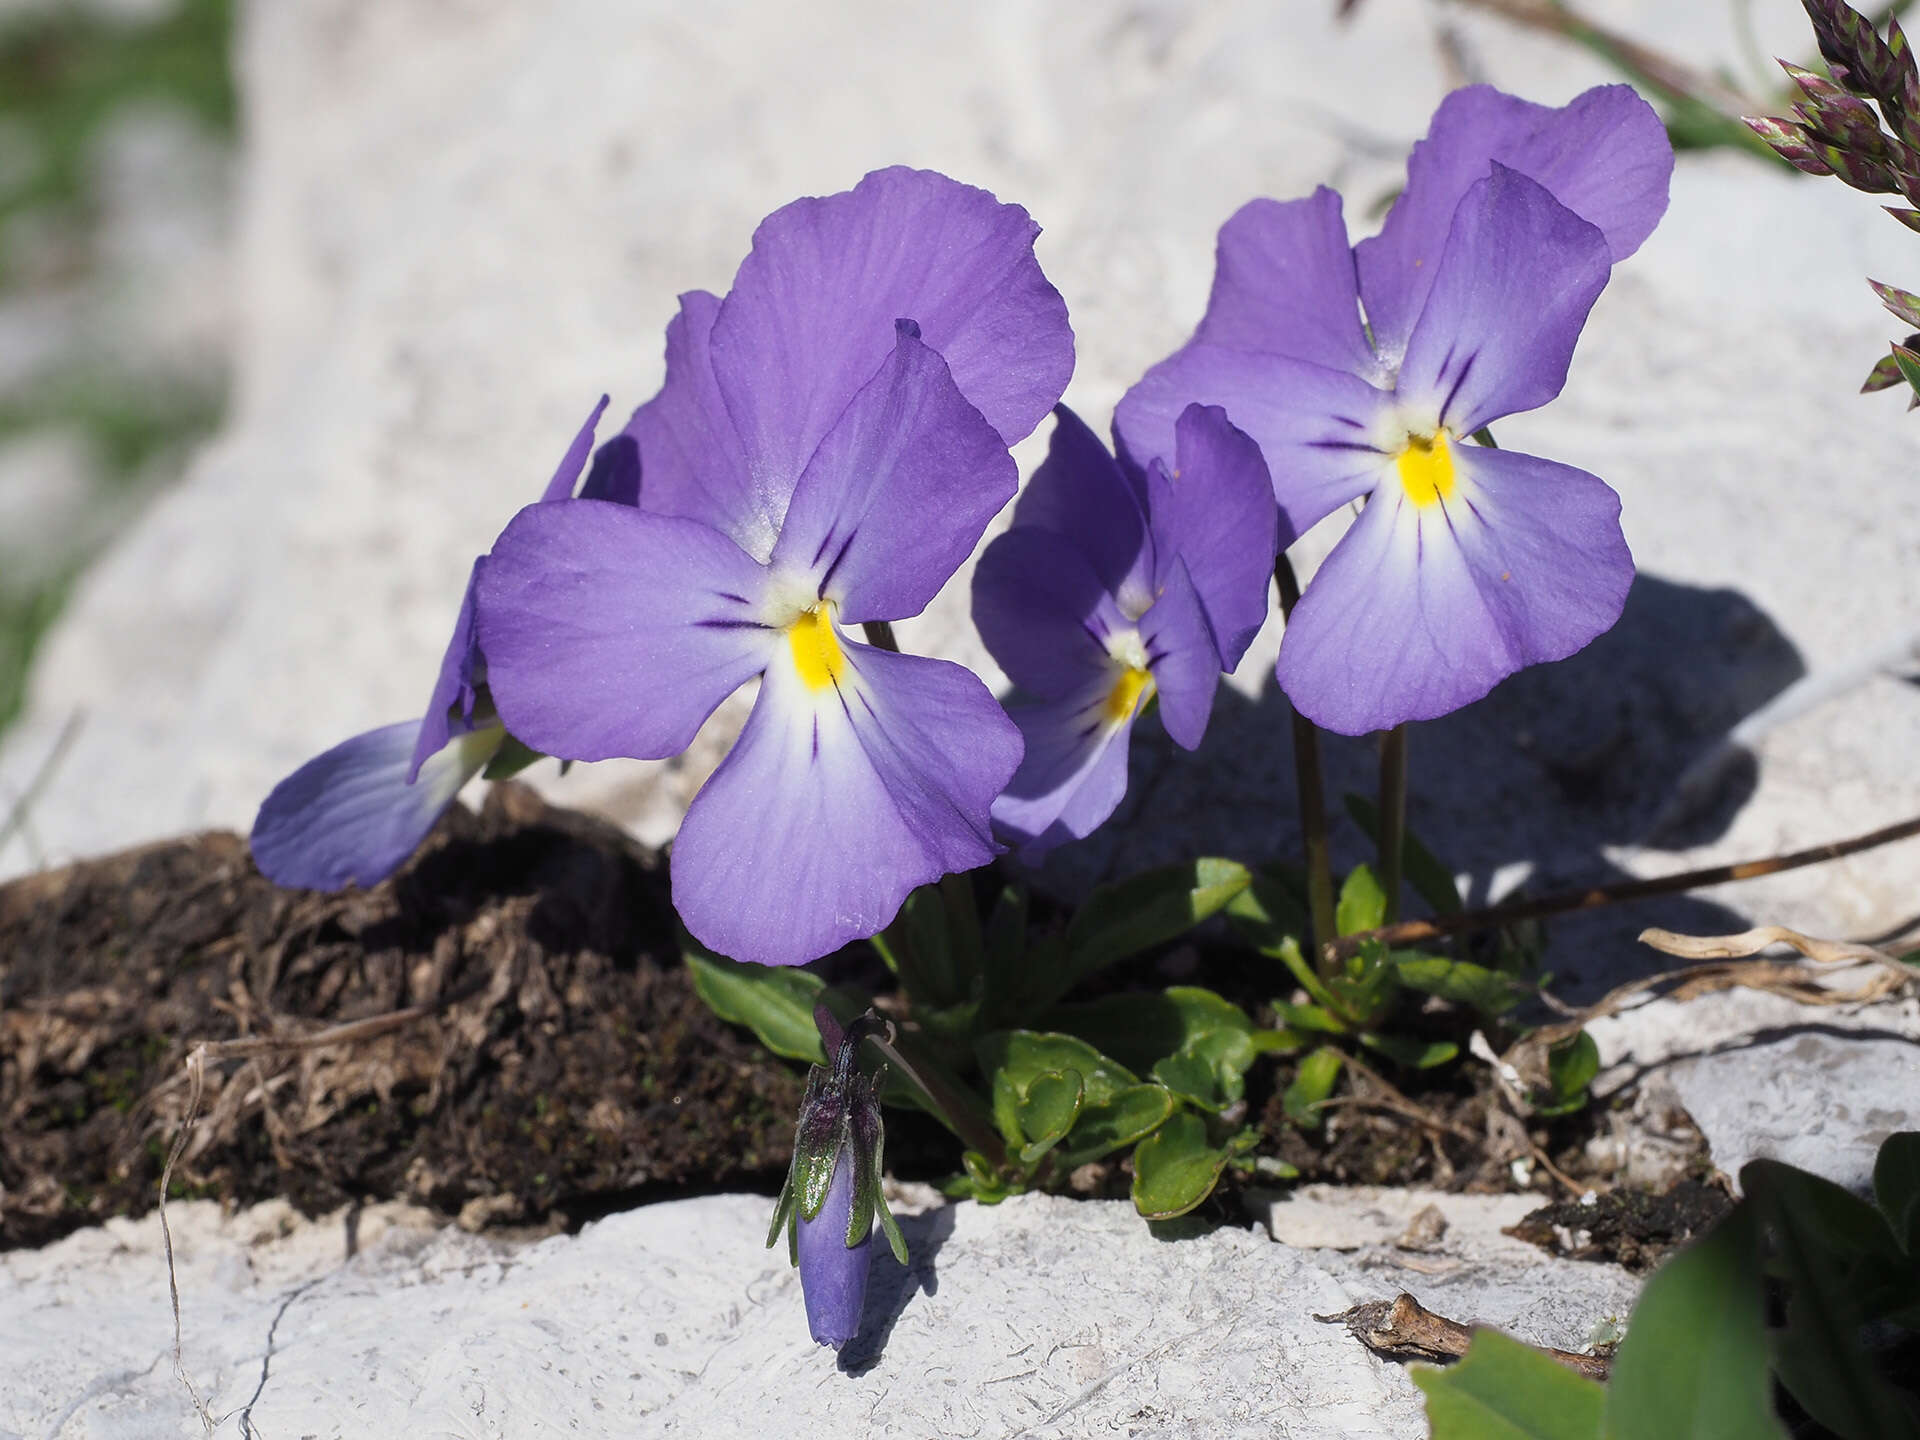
<point x="1364" y="371"/>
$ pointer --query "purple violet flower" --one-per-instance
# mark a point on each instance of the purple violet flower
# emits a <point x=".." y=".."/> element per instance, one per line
<point x="1112" y="586"/>
<point x="352" y="815"/>
<point x="829" y="445"/>
<point x="1468" y="562"/>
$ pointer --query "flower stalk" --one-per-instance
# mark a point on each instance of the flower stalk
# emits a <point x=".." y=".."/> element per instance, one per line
<point x="1312" y="791"/>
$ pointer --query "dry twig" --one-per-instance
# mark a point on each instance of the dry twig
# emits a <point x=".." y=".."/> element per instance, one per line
<point x="1404" y="1329"/>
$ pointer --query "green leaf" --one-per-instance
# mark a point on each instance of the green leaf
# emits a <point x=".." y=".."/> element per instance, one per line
<point x="1826" y="1244"/>
<point x="1571" y="1066"/>
<point x="1047" y="1111"/>
<point x="1461" y="981"/>
<point x="1138" y="1029"/>
<point x="1006" y="945"/>
<point x="1021" y="1055"/>
<point x="1149" y="909"/>
<point x="1362" y="905"/>
<point x="1131" y="1115"/>
<point x="1431" y="880"/>
<point x="1174" y="1169"/>
<point x="1896" y="1186"/>
<point x="1407" y="1050"/>
<point x="1504" y="1390"/>
<point x="1309" y="1017"/>
<point x="1694" y="1363"/>
<point x="1312" y="1083"/>
<point x="1364" y="988"/>
<point x="1271" y="911"/>
<point x="773" y="1001"/>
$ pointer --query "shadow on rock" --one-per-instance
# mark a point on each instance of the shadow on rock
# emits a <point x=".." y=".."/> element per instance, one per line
<point x="1543" y="776"/>
<point x="893" y="1285"/>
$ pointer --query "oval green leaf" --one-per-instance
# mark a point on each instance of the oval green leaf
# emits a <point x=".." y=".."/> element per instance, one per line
<point x="1504" y="1390"/>
<point x="1174" y="1168"/>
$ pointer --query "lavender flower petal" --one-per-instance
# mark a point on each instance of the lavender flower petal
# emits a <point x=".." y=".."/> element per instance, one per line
<point x="1043" y="613"/>
<point x="1605" y="156"/>
<point x="833" y="1274"/>
<point x="1082" y="493"/>
<point x="1074" y="772"/>
<point x="1511" y="292"/>
<point x="1181" y="657"/>
<point x="1421" y="609"/>
<point x="898" y="493"/>
<point x="811" y="314"/>
<point x="560" y="487"/>
<point x="837" y="800"/>
<point x="1219" y="516"/>
<point x="352" y="815"/>
<point x="694" y="465"/>
<point x="1315" y="426"/>
<point x="615" y="474"/>
<point x="613" y="631"/>
<point x="456" y="690"/>
<point x="1284" y="283"/>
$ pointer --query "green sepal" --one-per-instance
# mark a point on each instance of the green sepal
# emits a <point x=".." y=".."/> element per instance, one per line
<point x="1903" y="305"/>
<point x="510" y="759"/>
<point x="1909" y="362"/>
<point x="1884" y="375"/>
<point x="782" y="1210"/>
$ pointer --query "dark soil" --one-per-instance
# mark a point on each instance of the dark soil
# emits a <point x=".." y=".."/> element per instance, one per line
<point x="566" y="1067"/>
<point x="561" y="1065"/>
<point x="1628" y="1227"/>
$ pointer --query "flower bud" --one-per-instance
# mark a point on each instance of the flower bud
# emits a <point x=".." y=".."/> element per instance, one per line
<point x="832" y="1195"/>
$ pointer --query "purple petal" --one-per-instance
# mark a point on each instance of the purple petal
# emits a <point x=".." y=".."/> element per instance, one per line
<point x="694" y="465"/>
<point x="1420" y="610"/>
<point x="615" y="474"/>
<point x="1314" y="426"/>
<point x="1181" y="655"/>
<point x="1073" y="774"/>
<point x="1284" y="283"/>
<point x="455" y="692"/>
<point x="811" y="313"/>
<point x="351" y="816"/>
<point x="1214" y="509"/>
<point x="1512" y="289"/>
<point x="833" y="1275"/>
<point x="560" y="487"/>
<point x="613" y="631"/>
<point x="1043" y="613"/>
<point x="1605" y="156"/>
<point x="1080" y="492"/>
<point x="898" y="493"/>
<point x="836" y="802"/>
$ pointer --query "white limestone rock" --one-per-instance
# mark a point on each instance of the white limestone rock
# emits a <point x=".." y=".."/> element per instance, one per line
<point x="1040" y="1317"/>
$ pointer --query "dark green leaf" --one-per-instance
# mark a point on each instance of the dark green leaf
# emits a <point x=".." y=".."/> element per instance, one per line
<point x="510" y="759"/>
<point x="1047" y="1111"/>
<point x="1138" y="1029"/>
<point x="1312" y="1083"/>
<point x="1364" y="988"/>
<point x="773" y="1001"/>
<point x="1896" y="1186"/>
<point x="1409" y="1051"/>
<point x="1694" y="1363"/>
<point x="1149" y="909"/>
<point x="1131" y="1114"/>
<point x="1504" y="1390"/>
<point x="1308" y="1017"/>
<point x="1174" y="1168"/>
<point x="1431" y="880"/>
<point x="1270" y="911"/>
<point x="1826" y="1245"/>
<point x="1020" y="1055"/>
<point x="1460" y="981"/>
<point x="1571" y="1066"/>
<point x="1362" y="905"/>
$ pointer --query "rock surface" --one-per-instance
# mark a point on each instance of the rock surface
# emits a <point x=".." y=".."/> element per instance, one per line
<point x="1039" y="1318"/>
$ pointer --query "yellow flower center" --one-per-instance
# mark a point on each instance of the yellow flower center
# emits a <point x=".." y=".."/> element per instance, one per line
<point x="816" y="649"/>
<point x="1133" y="686"/>
<point x="1426" y="469"/>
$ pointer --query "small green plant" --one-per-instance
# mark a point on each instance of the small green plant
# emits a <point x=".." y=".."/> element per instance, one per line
<point x="1785" y="1291"/>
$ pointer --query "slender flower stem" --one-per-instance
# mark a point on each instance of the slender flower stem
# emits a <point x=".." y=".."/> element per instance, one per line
<point x="1313" y="798"/>
<point x="961" y="1110"/>
<point x="880" y="635"/>
<point x="1564" y="902"/>
<point x="1393" y="815"/>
